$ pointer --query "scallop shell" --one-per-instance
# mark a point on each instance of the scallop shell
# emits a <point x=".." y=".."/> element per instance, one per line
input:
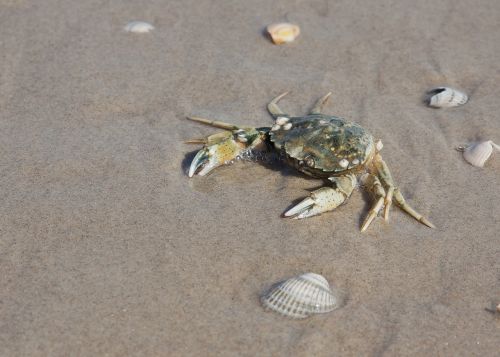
<point x="139" y="27"/>
<point x="444" y="97"/>
<point x="478" y="153"/>
<point x="302" y="296"/>
<point x="283" y="32"/>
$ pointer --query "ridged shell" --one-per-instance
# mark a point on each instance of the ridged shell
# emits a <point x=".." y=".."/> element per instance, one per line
<point x="444" y="97"/>
<point x="478" y="153"/>
<point x="302" y="296"/>
<point x="139" y="27"/>
<point x="283" y="32"/>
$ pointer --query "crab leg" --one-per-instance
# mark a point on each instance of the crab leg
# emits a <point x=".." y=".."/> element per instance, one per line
<point x="273" y="106"/>
<point x="392" y="191"/>
<point x="386" y="178"/>
<point x="215" y="123"/>
<point x="373" y="184"/>
<point x="398" y="197"/>
<point x="318" y="107"/>
<point x="324" y="199"/>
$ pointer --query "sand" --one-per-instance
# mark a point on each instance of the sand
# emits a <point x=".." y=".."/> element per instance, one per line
<point x="108" y="248"/>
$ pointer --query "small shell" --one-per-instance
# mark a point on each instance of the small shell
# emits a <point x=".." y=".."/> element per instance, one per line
<point x="478" y="153"/>
<point x="302" y="296"/>
<point x="139" y="27"/>
<point x="283" y="32"/>
<point x="444" y="97"/>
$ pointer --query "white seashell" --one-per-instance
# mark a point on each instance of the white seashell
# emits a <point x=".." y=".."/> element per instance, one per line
<point x="444" y="97"/>
<point x="287" y="126"/>
<point x="302" y="296"/>
<point x="283" y="32"/>
<point x="139" y="27"/>
<point x="477" y="153"/>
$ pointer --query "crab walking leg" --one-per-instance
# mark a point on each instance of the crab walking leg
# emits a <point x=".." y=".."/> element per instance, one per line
<point x="273" y="106"/>
<point x="385" y="176"/>
<point x="318" y="107"/>
<point x="372" y="184"/>
<point x="215" y="123"/>
<point x="324" y="199"/>
<point x="398" y="197"/>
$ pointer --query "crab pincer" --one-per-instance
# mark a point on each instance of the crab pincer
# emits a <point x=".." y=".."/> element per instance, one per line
<point x="222" y="148"/>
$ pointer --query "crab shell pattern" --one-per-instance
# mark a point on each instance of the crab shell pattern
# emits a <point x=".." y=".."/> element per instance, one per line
<point x="323" y="146"/>
<point x="318" y="145"/>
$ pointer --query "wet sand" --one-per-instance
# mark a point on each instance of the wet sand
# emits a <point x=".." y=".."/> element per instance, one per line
<point x="108" y="248"/>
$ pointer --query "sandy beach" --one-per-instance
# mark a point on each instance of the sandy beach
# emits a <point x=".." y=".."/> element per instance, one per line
<point x="108" y="248"/>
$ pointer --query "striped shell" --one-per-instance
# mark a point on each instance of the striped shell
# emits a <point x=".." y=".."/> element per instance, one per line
<point x="301" y="296"/>
<point x="478" y="153"/>
<point x="444" y="97"/>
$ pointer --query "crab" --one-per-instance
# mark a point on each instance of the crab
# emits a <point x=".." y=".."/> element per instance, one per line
<point x="318" y="145"/>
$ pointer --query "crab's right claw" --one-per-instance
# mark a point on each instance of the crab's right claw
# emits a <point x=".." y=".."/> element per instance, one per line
<point x="220" y="149"/>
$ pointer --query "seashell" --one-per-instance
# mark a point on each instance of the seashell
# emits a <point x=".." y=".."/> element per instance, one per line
<point x="139" y="27"/>
<point x="302" y="296"/>
<point x="477" y="153"/>
<point x="283" y="32"/>
<point x="444" y="97"/>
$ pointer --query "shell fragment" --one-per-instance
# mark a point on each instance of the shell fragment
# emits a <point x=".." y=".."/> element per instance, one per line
<point x="283" y="32"/>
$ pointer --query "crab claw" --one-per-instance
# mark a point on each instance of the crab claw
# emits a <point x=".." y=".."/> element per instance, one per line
<point x="202" y="159"/>
<point x="324" y="199"/>
<point x="213" y="156"/>
<point x="301" y="210"/>
<point x="221" y="149"/>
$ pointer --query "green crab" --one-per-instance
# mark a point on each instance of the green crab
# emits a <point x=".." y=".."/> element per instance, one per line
<point x="318" y="145"/>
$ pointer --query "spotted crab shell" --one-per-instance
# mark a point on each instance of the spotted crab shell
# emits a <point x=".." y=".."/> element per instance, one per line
<point x="322" y="145"/>
<point x="302" y="296"/>
<point x="445" y="97"/>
